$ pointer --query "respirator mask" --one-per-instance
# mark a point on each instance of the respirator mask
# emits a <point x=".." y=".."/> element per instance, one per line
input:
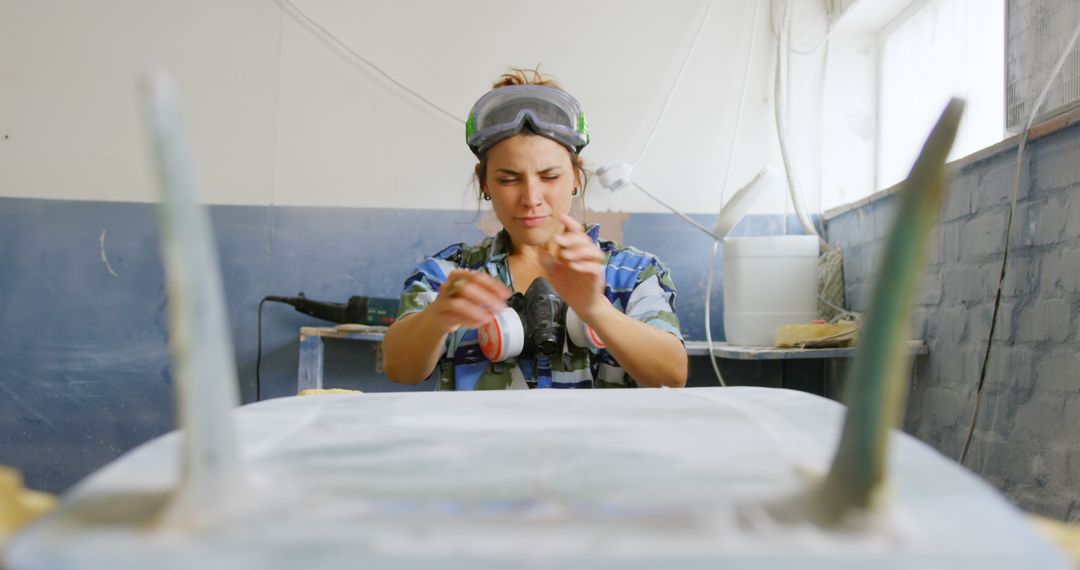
<point x="534" y="325"/>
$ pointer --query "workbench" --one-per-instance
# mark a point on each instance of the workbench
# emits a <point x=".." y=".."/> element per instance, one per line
<point x="822" y="382"/>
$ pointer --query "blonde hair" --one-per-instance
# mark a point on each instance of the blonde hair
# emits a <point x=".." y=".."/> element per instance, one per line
<point x="525" y="76"/>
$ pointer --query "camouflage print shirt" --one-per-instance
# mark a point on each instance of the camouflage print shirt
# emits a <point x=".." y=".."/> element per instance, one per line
<point x="636" y="283"/>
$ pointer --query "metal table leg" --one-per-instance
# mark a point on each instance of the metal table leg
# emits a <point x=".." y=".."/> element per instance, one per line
<point x="310" y="374"/>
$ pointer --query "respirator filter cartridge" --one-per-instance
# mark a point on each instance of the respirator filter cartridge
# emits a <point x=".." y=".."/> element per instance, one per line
<point x="580" y="333"/>
<point x="502" y="337"/>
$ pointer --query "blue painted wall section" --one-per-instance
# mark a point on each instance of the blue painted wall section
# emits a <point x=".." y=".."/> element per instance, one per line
<point x="84" y="369"/>
<point x="84" y="364"/>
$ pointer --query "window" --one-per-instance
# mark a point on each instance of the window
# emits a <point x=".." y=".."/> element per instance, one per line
<point x="1038" y="31"/>
<point x="934" y="51"/>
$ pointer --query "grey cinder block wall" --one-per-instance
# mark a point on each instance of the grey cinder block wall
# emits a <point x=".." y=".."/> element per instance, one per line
<point x="1027" y="436"/>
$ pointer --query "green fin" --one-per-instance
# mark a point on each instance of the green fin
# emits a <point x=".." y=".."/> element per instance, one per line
<point x="878" y="382"/>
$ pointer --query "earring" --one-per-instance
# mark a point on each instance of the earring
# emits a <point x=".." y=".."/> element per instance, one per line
<point x="575" y="192"/>
<point x="487" y="197"/>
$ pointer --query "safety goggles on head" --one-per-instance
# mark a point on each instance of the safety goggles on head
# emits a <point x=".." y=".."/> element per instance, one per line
<point x="506" y="111"/>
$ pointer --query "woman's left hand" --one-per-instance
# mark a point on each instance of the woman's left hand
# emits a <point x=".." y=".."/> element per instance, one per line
<point x="575" y="268"/>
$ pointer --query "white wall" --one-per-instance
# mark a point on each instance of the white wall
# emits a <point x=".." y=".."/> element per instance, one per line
<point x="67" y="94"/>
<point x="276" y="115"/>
<point x="849" y="129"/>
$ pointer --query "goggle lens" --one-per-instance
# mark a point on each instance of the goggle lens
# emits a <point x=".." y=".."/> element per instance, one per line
<point x="506" y="111"/>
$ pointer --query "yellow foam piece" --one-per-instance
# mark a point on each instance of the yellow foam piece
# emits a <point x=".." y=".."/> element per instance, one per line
<point x="19" y="505"/>
<point x="1065" y="535"/>
<point x="328" y="392"/>
<point x="817" y="335"/>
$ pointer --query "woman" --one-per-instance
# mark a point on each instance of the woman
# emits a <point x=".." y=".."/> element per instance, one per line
<point x="527" y="134"/>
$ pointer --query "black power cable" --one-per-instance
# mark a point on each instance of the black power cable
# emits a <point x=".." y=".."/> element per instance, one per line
<point x="258" y="354"/>
<point x="371" y="311"/>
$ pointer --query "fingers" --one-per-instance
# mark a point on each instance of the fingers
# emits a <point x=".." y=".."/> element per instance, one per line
<point x="579" y="251"/>
<point x="573" y="245"/>
<point x="471" y="298"/>
<point x="465" y="313"/>
<point x="574" y="264"/>
<point x="572" y="225"/>
<point x="493" y="287"/>
<point x="476" y="287"/>
<point x="591" y="267"/>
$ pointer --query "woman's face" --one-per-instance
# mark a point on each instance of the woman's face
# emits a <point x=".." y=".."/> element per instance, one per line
<point x="530" y="179"/>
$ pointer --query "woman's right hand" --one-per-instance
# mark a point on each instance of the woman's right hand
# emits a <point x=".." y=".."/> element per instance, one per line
<point x="468" y="299"/>
<point x="414" y="343"/>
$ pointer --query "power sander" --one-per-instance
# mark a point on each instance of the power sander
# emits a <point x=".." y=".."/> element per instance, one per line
<point x="357" y="310"/>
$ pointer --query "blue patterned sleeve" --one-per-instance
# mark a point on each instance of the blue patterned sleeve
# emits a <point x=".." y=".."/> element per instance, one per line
<point x="640" y="285"/>
<point x="422" y="285"/>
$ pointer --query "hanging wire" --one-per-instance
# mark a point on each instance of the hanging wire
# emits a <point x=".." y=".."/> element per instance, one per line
<point x="304" y="19"/>
<point x="675" y="84"/>
<point x="723" y="190"/>
<point x="779" y="100"/>
<point x="1008" y="239"/>
<point x="688" y="219"/>
<point x="821" y="43"/>
<point x="708" y="314"/>
<point x="660" y="119"/>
